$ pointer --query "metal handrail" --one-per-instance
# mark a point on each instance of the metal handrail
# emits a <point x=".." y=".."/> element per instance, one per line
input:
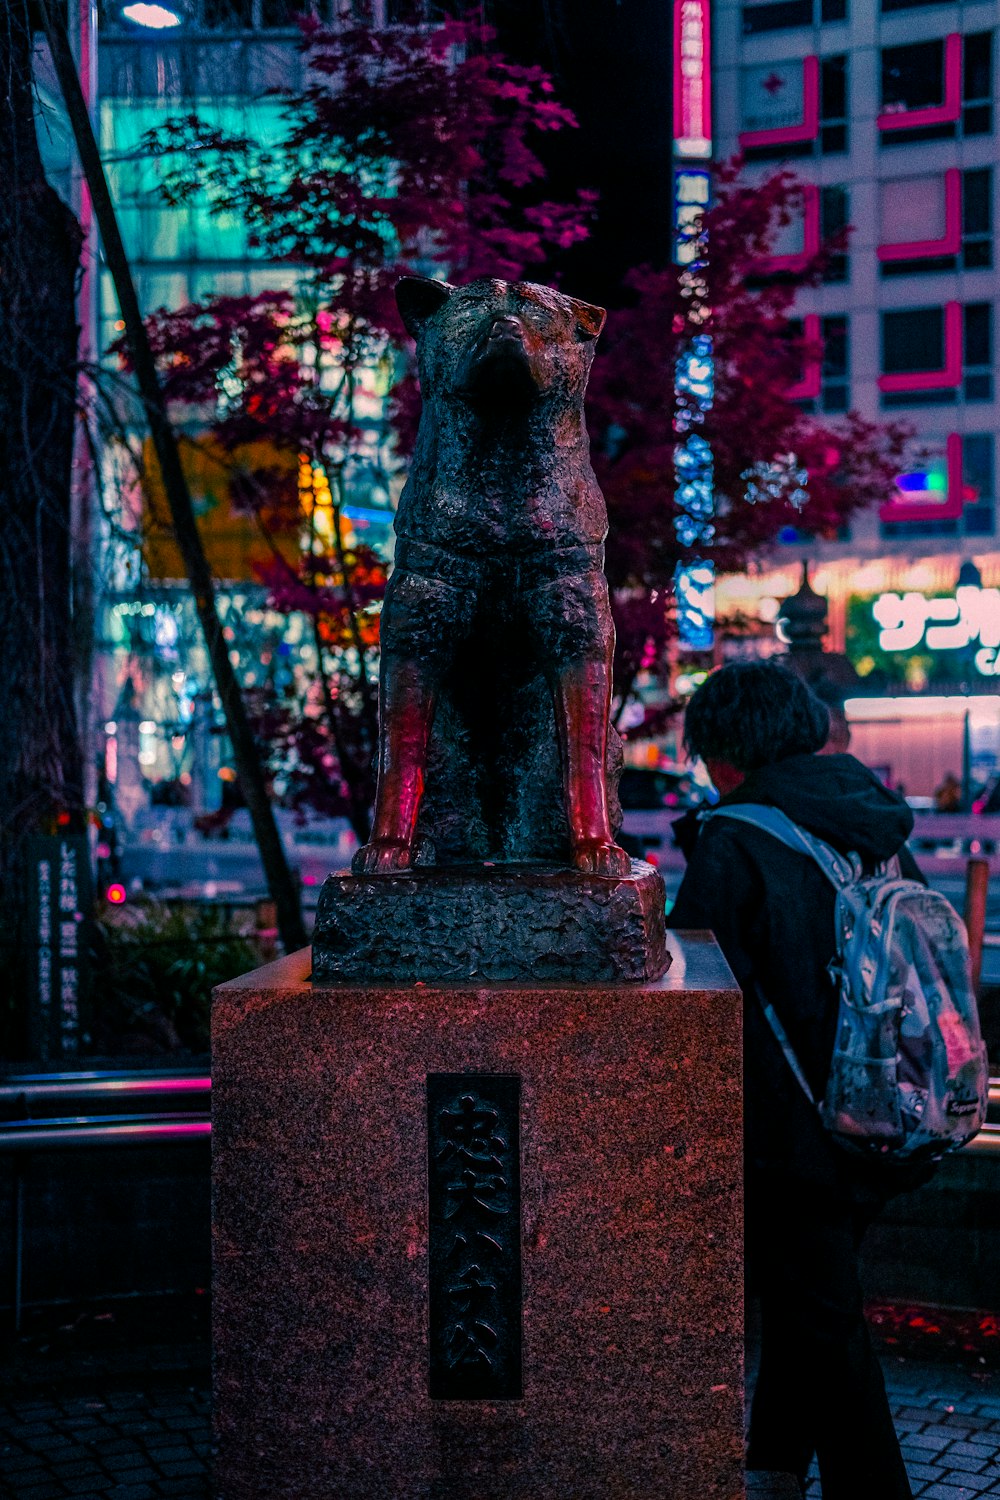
<point x="20" y="1136"/>
<point x="987" y="1141"/>
<point x="110" y="1084"/>
<point x="101" y="1130"/>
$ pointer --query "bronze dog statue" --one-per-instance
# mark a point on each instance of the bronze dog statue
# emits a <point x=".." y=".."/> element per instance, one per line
<point x="497" y="638"/>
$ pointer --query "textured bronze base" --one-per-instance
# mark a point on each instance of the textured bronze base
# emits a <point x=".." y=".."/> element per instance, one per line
<point x="520" y="923"/>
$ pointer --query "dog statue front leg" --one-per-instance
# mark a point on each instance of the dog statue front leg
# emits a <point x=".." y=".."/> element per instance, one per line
<point x="582" y="693"/>
<point x="407" y="696"/>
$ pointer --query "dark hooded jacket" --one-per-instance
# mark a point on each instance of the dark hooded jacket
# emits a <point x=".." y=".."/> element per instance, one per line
<point x="772" y="912"/>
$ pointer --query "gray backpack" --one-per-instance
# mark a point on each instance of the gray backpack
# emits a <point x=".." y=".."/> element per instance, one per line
<point x="908" y="1077"/>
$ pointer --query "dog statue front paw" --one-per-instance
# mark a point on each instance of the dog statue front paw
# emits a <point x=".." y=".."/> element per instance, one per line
<point x="601" y="857"/>
<point x="383" y="857"/>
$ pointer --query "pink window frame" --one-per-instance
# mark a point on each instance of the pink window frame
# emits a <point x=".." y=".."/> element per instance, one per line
<point x="935" y="380"/>
<point x="921" y="510"/>
<point x="808" y="388"/>
<point x="950" y="242"/>
<point x="810" y="237"/>
<point x="790" y="135"/>
<point x="935" y="114"/>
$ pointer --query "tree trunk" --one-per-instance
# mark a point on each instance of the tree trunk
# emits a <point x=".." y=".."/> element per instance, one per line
<point x="40" y="757"/>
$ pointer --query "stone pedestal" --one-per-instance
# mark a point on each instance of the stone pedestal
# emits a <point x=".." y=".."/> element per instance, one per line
<point x="479" y="1243"/>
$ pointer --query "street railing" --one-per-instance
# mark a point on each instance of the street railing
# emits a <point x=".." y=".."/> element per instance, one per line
<point x="31" y="1100"/>
<point x="36" y="1109"/>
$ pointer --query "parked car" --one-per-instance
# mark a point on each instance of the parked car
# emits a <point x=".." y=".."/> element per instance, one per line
<point x="643" y="789"/>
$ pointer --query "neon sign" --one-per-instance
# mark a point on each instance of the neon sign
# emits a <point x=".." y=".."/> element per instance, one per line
<point x="694" y="379"/>
<point x="692" y="191"/>
<point x="951" y="623"/>
<point x="692" y="79"/>
<point x="935" y="491"/>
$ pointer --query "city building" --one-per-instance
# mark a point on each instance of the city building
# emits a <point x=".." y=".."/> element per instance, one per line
<point x="155" y="723"/>
<point x="886" y="109"/>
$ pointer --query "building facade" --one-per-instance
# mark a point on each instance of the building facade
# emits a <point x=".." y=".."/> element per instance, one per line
<point x="887" y="111"/>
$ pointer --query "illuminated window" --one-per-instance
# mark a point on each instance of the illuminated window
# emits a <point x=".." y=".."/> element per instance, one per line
<point x="833" y="111"/>
<point x="913" y="76"/>
<point x="978" y="352"/>
<point x="794" y="107"/>
<point x="835" y="216"/>
<point x="933" y="356"/>
<point x="978" y="473"/>
<point x="978" y="512"/>
<point x="977" y="84"/>
<point x="227" y="15"/>
<point x="783" y="15"/>
<point x="835" y="373"/>
<point x="945" y="85"/>
<point x="977" y="219"/>
<point x="776" y="15"/>
<point x="827" y="386"/>
<point x="913" y="341"/>
<point x="936" y="222"/>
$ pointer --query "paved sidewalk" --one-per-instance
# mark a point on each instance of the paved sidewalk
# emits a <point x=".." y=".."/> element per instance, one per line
<point x="109" y="1442"/>
<point x="129" y="1445"/>
<point x="948" y="1421"/>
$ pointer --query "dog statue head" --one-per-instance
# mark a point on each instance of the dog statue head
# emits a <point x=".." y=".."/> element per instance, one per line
<point x="500" y="344"/>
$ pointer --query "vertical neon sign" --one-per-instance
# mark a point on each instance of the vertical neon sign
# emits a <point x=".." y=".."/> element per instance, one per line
<point x="692" y="81"/>
<point x="694" y="582"/>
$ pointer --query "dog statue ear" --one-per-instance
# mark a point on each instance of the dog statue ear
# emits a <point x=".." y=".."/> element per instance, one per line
<point x="418" y="298"/>
<point x="589" y="319"/>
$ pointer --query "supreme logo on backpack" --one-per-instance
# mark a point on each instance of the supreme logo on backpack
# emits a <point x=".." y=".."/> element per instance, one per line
<point x="908" y="1078"/>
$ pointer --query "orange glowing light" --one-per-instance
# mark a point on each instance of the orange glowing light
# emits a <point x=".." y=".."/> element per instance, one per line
<point x="116" y="894"/>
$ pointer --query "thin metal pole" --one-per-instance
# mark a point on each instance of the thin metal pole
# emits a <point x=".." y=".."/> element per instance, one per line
<point x="977" y="881"/>
<point x="18" y="1245"/>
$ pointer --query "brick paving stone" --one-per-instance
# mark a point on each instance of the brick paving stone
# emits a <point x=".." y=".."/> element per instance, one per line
<point x="13" y="1461"/>
<point x="932" y="1440"/>
<point x="120" y="1462"/>
<point x="171" y="1452"/>
<point x="152" y="1443"/>
<point x="942" y="1491"/>
<point x="85" y="1485"/>
<point x="924" y="1472"/>
<point x="183" y="1470"/>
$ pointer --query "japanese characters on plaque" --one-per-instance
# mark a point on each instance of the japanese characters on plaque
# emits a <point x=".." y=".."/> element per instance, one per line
<point x="474" y="1189"/>
<point x="58" y="903"/>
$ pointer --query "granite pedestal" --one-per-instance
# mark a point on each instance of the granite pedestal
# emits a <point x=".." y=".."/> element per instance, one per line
<point x="622" y="1325"/>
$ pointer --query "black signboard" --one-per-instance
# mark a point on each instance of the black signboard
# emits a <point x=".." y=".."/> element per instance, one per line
<point x="59" y="907"/>
<point x="474" y="1180"/>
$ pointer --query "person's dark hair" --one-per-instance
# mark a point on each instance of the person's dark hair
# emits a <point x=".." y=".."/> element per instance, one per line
<point x="752" y="713"/>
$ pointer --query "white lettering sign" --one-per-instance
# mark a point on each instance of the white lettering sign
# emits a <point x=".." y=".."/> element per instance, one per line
<point x="947" y="624"/>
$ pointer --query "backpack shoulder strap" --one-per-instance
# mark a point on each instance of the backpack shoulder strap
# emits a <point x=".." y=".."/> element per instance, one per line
<point x="781" y="1037"/>
<point x="838" y="869"/>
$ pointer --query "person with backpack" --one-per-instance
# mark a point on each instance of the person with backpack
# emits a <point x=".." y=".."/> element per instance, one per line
<point x="862" y="1056"/>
